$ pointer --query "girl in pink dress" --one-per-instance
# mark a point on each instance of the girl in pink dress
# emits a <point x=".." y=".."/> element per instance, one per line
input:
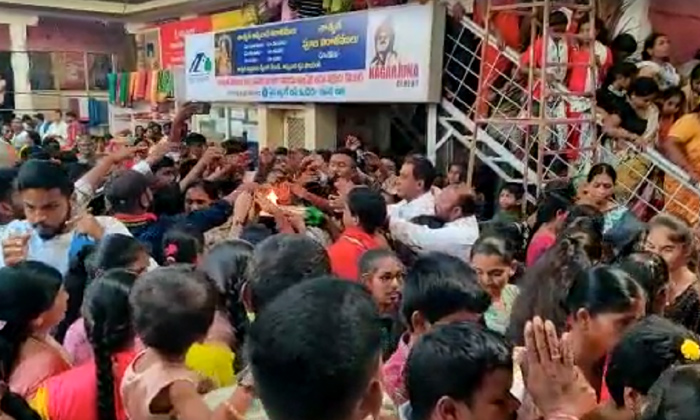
<point x="87" y="392"/>
<point x="32" y="303"/>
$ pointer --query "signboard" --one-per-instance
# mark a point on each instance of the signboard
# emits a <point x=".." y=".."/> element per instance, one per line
<point x="379" y="55"/>
<point x="172" y="38"/>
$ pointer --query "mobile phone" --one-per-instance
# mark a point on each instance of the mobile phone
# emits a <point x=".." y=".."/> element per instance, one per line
<point x="202" y="108"/>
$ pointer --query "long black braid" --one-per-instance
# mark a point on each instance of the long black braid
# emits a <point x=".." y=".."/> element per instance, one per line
<point x="108" y="325"/>
<point x="225" y="265"/>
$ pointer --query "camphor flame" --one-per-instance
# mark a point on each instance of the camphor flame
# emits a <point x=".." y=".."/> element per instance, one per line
<point x="272" y="197"/>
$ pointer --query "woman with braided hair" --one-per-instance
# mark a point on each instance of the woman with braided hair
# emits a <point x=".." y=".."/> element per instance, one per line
<point x="225" y="265"/>
<point x="87" y="392"/>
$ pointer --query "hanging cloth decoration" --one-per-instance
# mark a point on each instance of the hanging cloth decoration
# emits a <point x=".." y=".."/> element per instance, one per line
<point x="123" y="89"/>
<point x="112" y="87"/>
<point x="153" y="88"/>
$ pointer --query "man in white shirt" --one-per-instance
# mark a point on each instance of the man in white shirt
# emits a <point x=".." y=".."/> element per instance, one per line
<point x="49" y="230"/>
<point x="20" y="137"/>
<point x="58" y="128"/>
<point x="456" y="206"/>
<point x="414" y="187"/>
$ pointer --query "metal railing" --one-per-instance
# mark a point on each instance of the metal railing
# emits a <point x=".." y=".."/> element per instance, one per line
<point x="490" y="123"/>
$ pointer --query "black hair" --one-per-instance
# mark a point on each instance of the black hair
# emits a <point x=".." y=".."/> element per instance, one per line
<point x="164" y="162"/>
<point x="650" y="271"/>
<point x="622" y="69"/>
<point x="589" y="234"/>
<point x="107" y="316"/>
<point x="550" y="206"/>
<point x="545" y="286"/>
<point x="453" y="360"/>
<point x="347" y="152"/>
<point x="7" y="178"/>
<point x="558" y="18"/>
<point x="602" y="289"/>
<point x="210" y="188"/>
<point x="255" y="233"/>
<point x="115" y="251"/>
<point x="290" y="339"/>
<point x="34" y="137"/>
<point x="675" y="395"/>
<point x="77" y="169"/>
<point x="674" y="91"/>
<point x="195" y="139"/>
<point x="433" y="222"/>
<point x="368" y="260"/>
<point x="643" y="86"/>
<point x="681" y="233"/>
<point x="75" y="282"/>
<point x="27" y="290"/>
<point x="494" y="245"/>
<point x="695" y="73"/>
<point x="462" y="170"/>
<point x="601" y="169"/>
<point x="282" y="261"/>
<point x="650" y="43"/>
<point x="623" y="46"/>
<point x="43" y="175"/>
<point x="516" y="234"/>
<point x="182" y="244"/>
<point x="369" y="207"/>
<point x="281" y="151"/>
<point x="225" y="265"/>
<point x="168" y="299"/>
<point x="586" y="214"/>
<point x="423" y="170"/>
<point x="643" y="353"/>
<point x="168" y="200"/>
<point x="439" y="285"/>
<point x="514" y="188"/>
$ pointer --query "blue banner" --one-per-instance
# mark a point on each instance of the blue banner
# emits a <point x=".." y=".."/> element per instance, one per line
<point x="333" y="43"/>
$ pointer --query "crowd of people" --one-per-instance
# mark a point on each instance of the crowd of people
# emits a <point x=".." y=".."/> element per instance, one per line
<point x="641" y="101"/>
<point x="170" y="277"/>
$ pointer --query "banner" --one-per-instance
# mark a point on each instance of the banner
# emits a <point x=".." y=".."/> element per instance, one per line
<point x="379" y="55"/>
<point x="172" y="38"/>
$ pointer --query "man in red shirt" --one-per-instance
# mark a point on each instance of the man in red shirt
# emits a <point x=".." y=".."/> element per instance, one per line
<point x="364" y="214"/>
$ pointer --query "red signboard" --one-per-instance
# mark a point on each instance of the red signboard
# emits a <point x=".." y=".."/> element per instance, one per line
<point x="172" y="38"/>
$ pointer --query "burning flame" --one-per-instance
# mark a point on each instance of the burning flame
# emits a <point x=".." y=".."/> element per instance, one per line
<point x="272" y="197"/>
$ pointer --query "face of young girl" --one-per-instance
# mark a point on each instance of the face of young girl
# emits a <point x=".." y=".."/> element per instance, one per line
<point x="671" y="106"/>
<point x="386" y="282"/>
<point x="659" y="242"/>
<point x="606" y="329"/>
<point x="493" y="272"/>
<point x="51" y="317"/>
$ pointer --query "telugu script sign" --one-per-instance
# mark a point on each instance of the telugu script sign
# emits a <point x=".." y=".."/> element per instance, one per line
<point x="382" y="55"/>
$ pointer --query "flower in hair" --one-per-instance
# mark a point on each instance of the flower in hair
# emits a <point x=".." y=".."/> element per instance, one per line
<point x="170" y="250"/>
<point x="690" y="350"/>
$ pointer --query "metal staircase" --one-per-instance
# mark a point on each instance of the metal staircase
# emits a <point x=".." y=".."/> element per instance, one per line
<point x="486" y="115"/>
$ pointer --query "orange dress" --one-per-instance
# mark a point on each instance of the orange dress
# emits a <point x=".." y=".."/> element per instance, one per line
<point x="681" y="201"/>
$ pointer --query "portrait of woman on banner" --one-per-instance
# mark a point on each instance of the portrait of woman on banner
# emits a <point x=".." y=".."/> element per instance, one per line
<point x="384" y="45"/>
<point x="224" y="55"/>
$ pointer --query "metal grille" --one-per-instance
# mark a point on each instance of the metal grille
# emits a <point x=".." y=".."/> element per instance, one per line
<point x="296" y="132"/>
<point x="486" y="108"/>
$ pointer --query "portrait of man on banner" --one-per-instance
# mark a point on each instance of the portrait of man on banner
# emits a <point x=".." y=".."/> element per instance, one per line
<point x="385" y="45"/>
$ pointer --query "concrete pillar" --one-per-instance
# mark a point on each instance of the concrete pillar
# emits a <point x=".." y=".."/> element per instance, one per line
<point x="321" y="126"/>
<point x="20" y="68"/>
<point x="270" y="127"/>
